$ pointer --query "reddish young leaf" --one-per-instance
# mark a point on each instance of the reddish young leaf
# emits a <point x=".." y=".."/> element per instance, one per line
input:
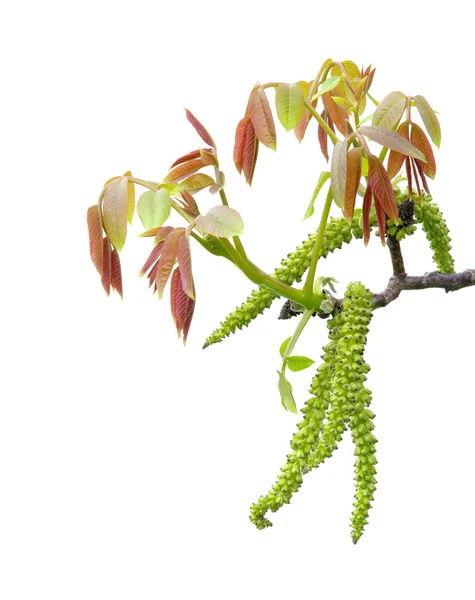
<point x="152" y="259"/>
<point x="191" y="208"/>
<point x="183" y="170"/>
<point x="196" y="182"/>
<point x="167" y="258"/>
<point x="369" y="81"/>
<point x="353" y="176"/>
<point x="392" y="140"/>
<point x="152" y="277"/>
<point x="416" y="179"/>
<point x="114" y="211"/>
<point x="382" y="188"/>
<point x="116" y="273"/>
<point x="208" y="158"/>
<point x="396" y="159"/>
<point x="184" y="263"/>
<point x="182" y="306"/>
<point x="367" y="200"/>
<point x="162" y="234"/>
<point x="95" y="236"/>
<point x="338" y="172"/>
<point x="420" y="168"/>
<point x="251" y="148"/>
<point x="420" y="141"/>
<point x="239" y="142"/>
<point x="323" y="138"/>
<point x="381" y="218"/>
<point x="200" y="129"/>
<point x="186" y="157"/>
<point x="262" y="119"/>
<point x="337" y="113"/>
<point x="106" y="265"/>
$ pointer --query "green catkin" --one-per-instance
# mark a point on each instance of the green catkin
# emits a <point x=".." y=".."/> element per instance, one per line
<point x="437" y="233"/>
<point x="292" y="269"/>
<point x="338" y="393"/>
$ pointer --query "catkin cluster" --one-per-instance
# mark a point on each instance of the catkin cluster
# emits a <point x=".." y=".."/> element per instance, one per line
<point x="339" y="400"/>
<point x="437" y="233"/>
<point x="292" y="269"/>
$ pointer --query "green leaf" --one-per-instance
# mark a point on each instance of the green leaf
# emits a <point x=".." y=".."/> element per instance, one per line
<point x="344" y="103"/>
<point x="429" y="118"/>
<point x="327" y="86"/>
<point x="389" y="110"/>
<point x="338" y="173"/>
<point x="289" y="102"/>
<point x="285" y="390"/>
<point x="284" y="345"/>
<point x="154" y="208"/>
<point x="392" y="140"/>
<point x="221" y="221"/>
<point x="324" y="177"/>
<point x="299" y="363"/>
<point x="114" y="211"/>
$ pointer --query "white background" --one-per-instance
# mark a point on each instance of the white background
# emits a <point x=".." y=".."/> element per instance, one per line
<point x="128" y="463"/>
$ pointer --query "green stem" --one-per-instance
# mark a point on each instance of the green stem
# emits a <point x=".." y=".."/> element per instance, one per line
<point x="375" y="102"/>
<point x="308" y="286"/>
<point x="300" y="327"/>
<point x="325" y="127"/>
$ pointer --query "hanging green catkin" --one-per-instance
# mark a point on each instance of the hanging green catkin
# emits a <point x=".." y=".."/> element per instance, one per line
<point x="437" y="233"/>
<point x="306" y="437"/>
<point x="337" y="233"/>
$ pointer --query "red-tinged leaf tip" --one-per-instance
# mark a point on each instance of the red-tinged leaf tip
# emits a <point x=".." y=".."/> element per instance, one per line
<point x="337" y="114"/>
<point x="382" y="188"/>
<point x="167" y="259"/>
<point x="182" y="306"/>
<point x="184" y="170"/>
<point x="209" y="158"/>
<point x="190" y="204"/>
<point x="323" y="139"/>
<point x="114" y="211"/>
<point x="416" y="179"/>
<point x="420" y="141"/>
<point x="152" y="258"/>
<point x="353" y="176"/>
<point x="116" y="273"/>
<point x="420" y="169"/>
<point x="184" y="263"/>
<point x="381" y="219"/>
<point x="200" y="129"/>
<point x="106" y="265"/>
<point x="262" y="119"/>
<point x="367" y="200"/>
<point x="185" y="158"/>
<point x="251" y="148"/>
<point x="95" y="236"/>
<point x="396" y="159"/>
<point x="239" y="142"/>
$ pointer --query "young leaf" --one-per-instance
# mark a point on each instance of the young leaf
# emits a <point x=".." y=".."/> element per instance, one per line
<point x="429" y="119"/>
<point x="419" y="139"/>
<point x="286" y="395"/>
<point x="289" y="102"/>
<point x="130" y="198"/>
<point x="201" y="130"/>
<point x="353" y="176"/>
<point x="106" y="265"/>
<point x="284" y="345"/>
<point x="262" y="119"/>
<point x="337" y="114"/>
<point x="389" y="110"/>
<point x="299" y="363"/>
<point x="251" y="148"/>
<point x="114" y="211"/>
<point x="239" y="142"/>
<point x="338" y="172"/>
<point x="95" y="236"/>
<point x="182" y="306"/>
<point x="351" y="68"/>
<point x="116" y="273"/>
<point x="183" y="170"/>
<point x="196" y="182"/>
<point x="221" y="221"/>
<point x="420" y="169"/>
<point x="323" y="137"/>
<point x="167" y="259"/>
<point x="382" y="188"/>
<point x="154" y="208"/>
<point x="392" y="140"/>
<point x="184" y="263"/>
<point x="208" y="158"/>
<point x="396" y="159"/>
<point x="381" y="219"/>
<point x="152" y="259"/>
<point x="327" y="86"/>
<point x="324" y="176"/>
<point x="187" y="157"/>
<point x="367" y="201"/>
<point x="191" y="208"/>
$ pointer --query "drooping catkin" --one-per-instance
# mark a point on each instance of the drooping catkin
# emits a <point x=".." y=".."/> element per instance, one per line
<point x="437" y="233"/>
